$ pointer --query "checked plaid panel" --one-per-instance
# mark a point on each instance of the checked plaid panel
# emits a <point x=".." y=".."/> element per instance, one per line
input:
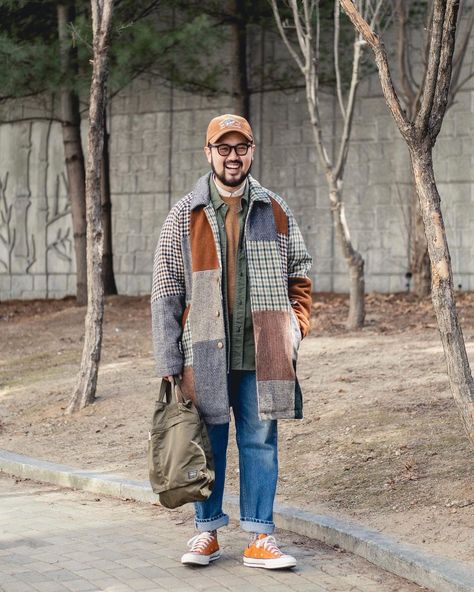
<point x="268" y="289"/>
<point x="187" y="344"/>
<point x="299" y="261"/>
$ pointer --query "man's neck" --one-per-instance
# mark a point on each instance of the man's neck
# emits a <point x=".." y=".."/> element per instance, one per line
<point x="229" y="191"/>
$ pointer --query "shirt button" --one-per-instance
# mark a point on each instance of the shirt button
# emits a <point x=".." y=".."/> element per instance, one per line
<point x="220" y="345"/>
<point x="218" y="313"/>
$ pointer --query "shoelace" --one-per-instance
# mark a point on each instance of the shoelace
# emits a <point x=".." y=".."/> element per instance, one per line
<point x="200" y="541"/>
<point x="269" y="544"/>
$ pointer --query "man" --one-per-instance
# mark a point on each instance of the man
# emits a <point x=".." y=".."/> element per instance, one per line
<point x="231" y="301"/>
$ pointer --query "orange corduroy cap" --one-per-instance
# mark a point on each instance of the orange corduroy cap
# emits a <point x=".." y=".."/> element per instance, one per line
<point x="222" y="124"/>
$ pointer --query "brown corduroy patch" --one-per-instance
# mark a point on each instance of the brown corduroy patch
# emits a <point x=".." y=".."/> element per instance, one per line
<point x="203" y="247"/>
<point x="273" y="345"/>
<point x="281" y="219"/>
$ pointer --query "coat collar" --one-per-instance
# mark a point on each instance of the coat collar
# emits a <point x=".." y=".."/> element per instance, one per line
<point x="200" y="195"/>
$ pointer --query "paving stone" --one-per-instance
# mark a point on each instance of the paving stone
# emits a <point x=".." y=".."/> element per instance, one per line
<point x="16" y="587"/>
<point x="79" y="586"/>
<point x="66" y="542"/>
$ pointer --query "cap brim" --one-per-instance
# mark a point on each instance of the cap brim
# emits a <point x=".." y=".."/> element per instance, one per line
<point x="219" y="135"/>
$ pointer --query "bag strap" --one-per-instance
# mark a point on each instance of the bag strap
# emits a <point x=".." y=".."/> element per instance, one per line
<point x="165" y="391"/>
<point x="171" y="390"/>
<point x="177" y="390"/>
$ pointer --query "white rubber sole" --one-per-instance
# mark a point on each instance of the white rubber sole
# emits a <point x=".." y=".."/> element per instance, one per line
<point x="280" y="563"/>
<point x="196" y="559"/>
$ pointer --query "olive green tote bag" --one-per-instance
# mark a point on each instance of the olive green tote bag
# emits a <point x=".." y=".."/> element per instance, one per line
<point x="180" y="462"/>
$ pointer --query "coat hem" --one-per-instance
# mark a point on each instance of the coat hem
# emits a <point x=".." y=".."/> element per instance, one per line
<point x="278" y="415"/>
<point x="170" y="370"/>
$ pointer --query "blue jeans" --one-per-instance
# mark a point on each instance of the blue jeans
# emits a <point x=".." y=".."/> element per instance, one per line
<point x="258" y="461"/>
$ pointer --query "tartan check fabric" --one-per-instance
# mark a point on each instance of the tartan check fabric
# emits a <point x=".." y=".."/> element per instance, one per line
<point x="268" y="289"/>
<point x="299" y="261"/>
<point x="187" y="344"/>
<point x="283" y="247"/>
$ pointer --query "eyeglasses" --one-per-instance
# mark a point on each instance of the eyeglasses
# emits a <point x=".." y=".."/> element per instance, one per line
<point x="226" y="149"/>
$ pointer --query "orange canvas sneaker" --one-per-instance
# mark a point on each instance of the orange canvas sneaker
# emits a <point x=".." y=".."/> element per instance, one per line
<point x="263" y="552"/>
<point x="203" y="548"/>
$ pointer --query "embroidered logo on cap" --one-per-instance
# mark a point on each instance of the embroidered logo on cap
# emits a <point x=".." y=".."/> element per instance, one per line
<point x="228" y="122"/>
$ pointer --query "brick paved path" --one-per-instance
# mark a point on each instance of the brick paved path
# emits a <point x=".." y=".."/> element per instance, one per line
<point x="55" y="540"/>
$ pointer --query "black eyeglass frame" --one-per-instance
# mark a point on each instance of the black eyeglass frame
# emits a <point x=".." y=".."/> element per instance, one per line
<point x="230" y="147"/>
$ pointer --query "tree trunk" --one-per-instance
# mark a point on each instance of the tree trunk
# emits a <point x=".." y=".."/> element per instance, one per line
<point x="420" y="260"/>
<point x="354" y="260"/>
<point x="84" y="393"/>
<point x="356" y="316"/>
<point x="107" y="258"/>
<point x="74" y="156"/>
<point x="442" y="292"/>
<point x="238" y="36"/>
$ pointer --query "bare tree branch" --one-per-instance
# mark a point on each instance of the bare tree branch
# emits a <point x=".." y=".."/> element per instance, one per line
<point x="382" y="63"/>
<point x="284" y="37"/>
<point x="441" y="95"/>
<point x="402" y="56"/>
<point x="303" y="40"/>
<point x="337" y="25"/>
<point x="429" y="87"/>
<point x="346" y="133"/>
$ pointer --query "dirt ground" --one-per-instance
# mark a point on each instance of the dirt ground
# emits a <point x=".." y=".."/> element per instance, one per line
<point x="381" y="441"/>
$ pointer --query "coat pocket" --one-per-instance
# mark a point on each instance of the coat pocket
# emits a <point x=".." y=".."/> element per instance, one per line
<point x="295" y="332"/>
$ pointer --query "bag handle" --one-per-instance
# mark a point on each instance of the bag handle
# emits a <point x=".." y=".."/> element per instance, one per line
<point x="171" y="389"/>
<point x="165" y="391"/>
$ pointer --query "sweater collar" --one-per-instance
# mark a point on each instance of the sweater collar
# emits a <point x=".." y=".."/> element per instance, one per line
<point x="201" y="193"/>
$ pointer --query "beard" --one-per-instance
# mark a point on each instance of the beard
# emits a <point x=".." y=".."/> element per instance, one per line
<point x="230" y="182"/>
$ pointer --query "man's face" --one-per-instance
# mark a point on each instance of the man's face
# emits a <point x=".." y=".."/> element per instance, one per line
<point x="230" y="170"/>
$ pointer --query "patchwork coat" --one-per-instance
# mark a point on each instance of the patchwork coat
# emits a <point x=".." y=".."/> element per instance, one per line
<point x="188" y="318"/>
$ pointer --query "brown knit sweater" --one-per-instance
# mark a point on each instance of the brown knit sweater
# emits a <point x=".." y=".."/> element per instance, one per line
<point x="232" y="229"/>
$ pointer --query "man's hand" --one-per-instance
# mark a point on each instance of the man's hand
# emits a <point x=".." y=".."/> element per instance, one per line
<point x="170" y="378"/>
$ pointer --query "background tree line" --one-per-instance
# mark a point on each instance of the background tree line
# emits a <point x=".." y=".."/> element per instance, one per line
<point x="52" y="55"/>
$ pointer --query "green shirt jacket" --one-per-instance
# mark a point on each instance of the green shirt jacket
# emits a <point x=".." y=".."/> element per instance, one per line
<point x="239" y="326"/>
<point x="187" y="302"/>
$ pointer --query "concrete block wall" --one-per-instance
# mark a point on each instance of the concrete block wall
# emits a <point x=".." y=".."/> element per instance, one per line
<point x="157" y="135"/>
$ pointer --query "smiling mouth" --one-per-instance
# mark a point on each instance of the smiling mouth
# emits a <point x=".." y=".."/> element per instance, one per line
<point x="233" y="166"/>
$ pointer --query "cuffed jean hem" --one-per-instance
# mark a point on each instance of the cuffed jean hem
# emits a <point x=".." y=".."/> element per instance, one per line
<point x="258" y="526"/>
<point x="211" y="523"/>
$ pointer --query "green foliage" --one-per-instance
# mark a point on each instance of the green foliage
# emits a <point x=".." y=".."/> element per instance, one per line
<point x="144" y="41"/>
<point x="176" y="52"/>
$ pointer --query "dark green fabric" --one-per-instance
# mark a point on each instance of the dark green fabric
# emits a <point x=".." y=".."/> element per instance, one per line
<point x="180" y="460"/>
<point x="239" y="328"/>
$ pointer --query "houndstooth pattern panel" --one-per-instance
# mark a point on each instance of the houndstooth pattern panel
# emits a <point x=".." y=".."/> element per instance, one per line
<point x="168" y="267"/>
